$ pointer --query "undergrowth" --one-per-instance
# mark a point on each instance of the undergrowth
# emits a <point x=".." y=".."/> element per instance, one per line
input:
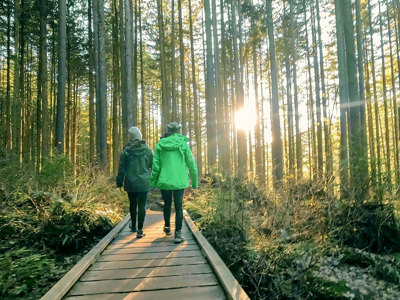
<point x="49" y="220"/>
<point x="302" y="243"/>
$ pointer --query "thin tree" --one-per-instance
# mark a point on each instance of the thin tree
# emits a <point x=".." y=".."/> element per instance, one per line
<point x="62" y="69"/>
<point x="277" y="167"/>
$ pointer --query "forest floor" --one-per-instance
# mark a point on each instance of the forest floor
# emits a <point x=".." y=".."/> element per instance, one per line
<point x="49" y="221"/>
<point x="297" y="247"/>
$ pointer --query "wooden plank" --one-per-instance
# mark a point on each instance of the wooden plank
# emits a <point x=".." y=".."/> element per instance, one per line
<point x="146" y="272"/>
<point x="140" y="256"/>
<point x="145" y="284"/>
<point x="65" y="283"/>
<point x="146" y="263"/>
<point x="148" y="243"/>
<point x="195" y="293"/>
<point x="228" y="281"/>
<point x="153" y="236"/>
<point x="169" y="239"/>
<point x="151" y="248"/>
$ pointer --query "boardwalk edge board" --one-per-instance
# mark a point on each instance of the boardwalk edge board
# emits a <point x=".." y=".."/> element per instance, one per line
<point x="64" y="284"/>
<point x="232" y="288"/>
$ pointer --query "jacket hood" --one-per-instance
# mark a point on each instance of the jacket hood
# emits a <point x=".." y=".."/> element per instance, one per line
<point x="136" y="147"/>
<point x="175" y="141"/>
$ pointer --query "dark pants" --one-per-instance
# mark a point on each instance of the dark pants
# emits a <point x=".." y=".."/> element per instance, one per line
<point x="178" y="202"/>
<point x="137" y="199"/>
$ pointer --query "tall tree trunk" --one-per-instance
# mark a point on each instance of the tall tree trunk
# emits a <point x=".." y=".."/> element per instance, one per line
<point x="218" y="89"/>
<point x="210" y="92"/>
<point x="317" y="96"/>
<point x="92" y="128"/>
<point x="240" y="134"/>
<point x="165" y="111"/>
<point x="127" y="106"/>
<point x="394" y="103"/>
<point x="327" y="141"/>
<point x="182" y="67"/>
<point x="225" y="150"/>
<point x="116" y="90"/>
<point x="385" y="101"/>
<point x="312" y="141"/>
<point x="277" y="168"/>
<point x="174" y="113"/>
<point x="376" y="106"/>
<point x="8" y="137"/>
<point x="102" y="99"/>
<point x="344" y="96"/>
<point x="142" y="87"/>
<point x="197" y="125"/>
<point x="260" y="173"/>
<point x="134" y="71"/>
<point x="43" y="80"/>
<point x="62" y="70"/>
<point x="358" y="153"/>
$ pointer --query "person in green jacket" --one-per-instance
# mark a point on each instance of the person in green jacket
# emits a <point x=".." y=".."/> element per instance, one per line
<point x="172" y="158"/>
<point x="134" y="174"/>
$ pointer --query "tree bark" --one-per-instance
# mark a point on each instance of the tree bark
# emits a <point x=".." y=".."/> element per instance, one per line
<point x="277" y="168"/>
<point x="62" y="70"/>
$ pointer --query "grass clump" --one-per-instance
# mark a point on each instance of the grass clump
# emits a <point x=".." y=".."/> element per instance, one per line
<point x="49" y="220"/>
<point x="290" y="245"/>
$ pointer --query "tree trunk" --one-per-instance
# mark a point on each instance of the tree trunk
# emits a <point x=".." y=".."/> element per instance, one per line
<point x="92" y="128"/>
<point x="197" y="125"/>
<point x="240" y="134"/>
<point x="277" y="170"/>
<point x="62" y="70"/>
<point x="385" y="101"/>
<point x="210" y="92"/>
<point x="182" y="67"/>
<point x="174" y="113"/>
<point x="344" y="96"/>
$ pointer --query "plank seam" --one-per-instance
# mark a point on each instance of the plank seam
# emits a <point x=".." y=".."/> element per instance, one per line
<point x="141" y="267"/>
<point x="68" y="280"/>
<point x="144" y="277"/>
<point x="144" y="290"/>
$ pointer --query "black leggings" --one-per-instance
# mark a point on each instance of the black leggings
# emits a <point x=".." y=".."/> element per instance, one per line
<point x="137" y="199"/>
<point x="178" y="202"/>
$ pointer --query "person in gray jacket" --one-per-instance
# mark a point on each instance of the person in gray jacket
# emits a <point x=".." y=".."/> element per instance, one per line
<point x="134" y="175"/>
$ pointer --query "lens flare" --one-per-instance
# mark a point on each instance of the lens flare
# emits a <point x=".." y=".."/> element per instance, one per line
<point x="246" y="118"/>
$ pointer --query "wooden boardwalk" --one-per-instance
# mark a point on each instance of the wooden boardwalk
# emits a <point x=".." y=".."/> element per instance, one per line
<point x="149" y="268"/>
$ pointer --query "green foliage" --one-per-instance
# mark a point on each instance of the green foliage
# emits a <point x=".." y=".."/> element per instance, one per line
<point x="285" y="246"/>
<point x="49" y="220"/>
<point x="368" y="225"/>
<point x="24" y="273"/>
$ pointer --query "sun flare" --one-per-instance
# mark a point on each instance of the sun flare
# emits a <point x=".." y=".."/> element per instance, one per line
<point x="245" y="118"/>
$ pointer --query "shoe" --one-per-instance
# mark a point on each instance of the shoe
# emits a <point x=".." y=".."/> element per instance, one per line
<point x="178" y="237"/>
<point x="133" y="229"/>
<point x="167" y="230"/>
<point x="140" y="233"/>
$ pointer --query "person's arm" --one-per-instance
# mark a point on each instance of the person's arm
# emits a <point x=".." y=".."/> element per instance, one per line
<point x="150" y="159"/>
<point x="191" y="164"/>
<point x="121" y="170"/>
<point x="155" y="171"/>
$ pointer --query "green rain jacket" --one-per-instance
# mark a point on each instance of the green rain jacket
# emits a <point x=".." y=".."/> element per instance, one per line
<point x="134" y="167"/>
<point x="172" y="158"/>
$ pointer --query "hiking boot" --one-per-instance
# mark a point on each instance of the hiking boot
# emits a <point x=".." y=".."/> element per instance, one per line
<point x="167" y="230"/>
<point x="140" y="234"/>
<point x="178" y="237"/>
<point x="132" y="228"/>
